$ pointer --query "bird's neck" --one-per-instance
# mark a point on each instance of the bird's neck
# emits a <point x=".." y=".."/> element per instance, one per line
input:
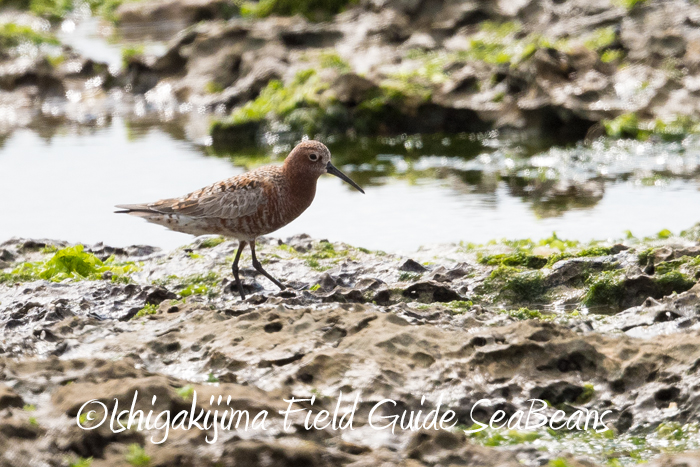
<point x="302" y="186"/>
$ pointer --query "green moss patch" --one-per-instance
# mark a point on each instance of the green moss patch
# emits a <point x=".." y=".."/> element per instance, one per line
<point x="70" y="263"/>
<point x="519" y="258"/>
<point x="525" y="245"/>
<point x="137" y="456"/>
<point x="55" y="10"/>
<point x="459" y="306"/>
<point x="586" y="252"/>
<point x="687" y="264"/>
<point x="130" y="53"/>
<point x="211" y="242"/>
<point x="629" y="125"/>
<point x="515" y="284"/>
<point x="646" y="256"/>
<point x="506" y="44"/>
<point x="319" y="256"/>
<point x="586" y="395"/>
<point x="149" y="309"/>
<point x="609" y="287"/>
<point x="81" y="462"/>
<point x="493" y="438"/>
<point x="605" y="289"/>
<point x="200" y="284"/>
<point x="526" y="313"/>
<point x="606" y="448"/>
<point x="298" y="103"/>
<point x="628" y="4"/>
<point x="196" y="284"/>
<point x="409" y="277"/>
<point x="50" y="9"/>
<point x="674" y="281"/>
<point x="12" y="35"/>
<point x="331" y="59"/>
<point x="185" y="392"/>
<point x="526" y="286"/>
<point x="315" y="10"/>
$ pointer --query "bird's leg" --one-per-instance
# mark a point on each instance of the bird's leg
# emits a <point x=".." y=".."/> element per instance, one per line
<point x="258" y="267"/>
<point x="234" y="268"/>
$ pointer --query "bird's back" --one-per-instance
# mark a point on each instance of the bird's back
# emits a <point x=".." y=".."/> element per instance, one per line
<point x="244" y="206"/>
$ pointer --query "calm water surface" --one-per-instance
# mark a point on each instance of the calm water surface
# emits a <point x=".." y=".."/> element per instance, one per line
<point x="65" y="186"/>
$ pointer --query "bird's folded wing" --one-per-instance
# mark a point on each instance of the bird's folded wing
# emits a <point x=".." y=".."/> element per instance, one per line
<point x="228" y="200"/>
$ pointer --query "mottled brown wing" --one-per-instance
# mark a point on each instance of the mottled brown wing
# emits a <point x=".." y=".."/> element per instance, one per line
<point x="230" y="199"/>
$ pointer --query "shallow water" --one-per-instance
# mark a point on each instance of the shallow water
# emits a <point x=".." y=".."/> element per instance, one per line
<point x="65" y="186"/>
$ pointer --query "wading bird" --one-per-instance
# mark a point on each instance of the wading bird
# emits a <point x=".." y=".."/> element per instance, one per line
<point x="248" y="205"/>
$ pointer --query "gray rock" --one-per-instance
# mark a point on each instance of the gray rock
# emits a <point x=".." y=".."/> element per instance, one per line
<point x="568" y="270"/>
<point x="351" y="89"/>
<point x="412" y="266"/>
<point x="8" y="398"/>
<point x="169" y="16"/>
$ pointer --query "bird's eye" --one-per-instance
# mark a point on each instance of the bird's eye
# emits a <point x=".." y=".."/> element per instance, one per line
<point x="313" y="156"/>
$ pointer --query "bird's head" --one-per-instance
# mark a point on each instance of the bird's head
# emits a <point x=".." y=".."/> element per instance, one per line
<point x="312" y="158"/>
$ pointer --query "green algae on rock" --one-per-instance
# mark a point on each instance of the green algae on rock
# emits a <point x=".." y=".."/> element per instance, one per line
<point x="71" y="263"/>
<point x="12" y="35"/>
<point x="629" y="125"/>
<point x="56" y="10"/>
<point x="205" y="284"/>
<point x="148" y="309"/>
<point x="315" y="10"/>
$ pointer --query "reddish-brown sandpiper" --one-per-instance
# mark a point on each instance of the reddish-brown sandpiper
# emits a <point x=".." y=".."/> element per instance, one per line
<point x="248" y="205"/>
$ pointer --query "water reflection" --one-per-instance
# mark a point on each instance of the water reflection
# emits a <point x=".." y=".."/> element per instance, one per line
<point x="61" y="181"/>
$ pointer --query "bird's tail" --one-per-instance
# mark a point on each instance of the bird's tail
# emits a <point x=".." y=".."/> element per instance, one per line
<point x="132" y="208"/>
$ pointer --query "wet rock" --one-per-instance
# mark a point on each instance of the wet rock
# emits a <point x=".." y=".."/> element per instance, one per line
<point x="412" y="266"/>
<point x="444" y="446"/>
<point x="638" y="288"/>
<point x="8" y="398"/>
<point x="301" y="242"/>
<point x="141" y="251"/>
<point x="393" y="27"/>
<point x="17" y="429"/>
<point x="310" y="36"/>
<point x="552" y="64"/>
<point x="430" y="291"/>
<point x="617" y="248"/>
<point x="343" y="295"/>
<point x="70" y="398"/>
<point x="351" y="89"/>
<point x="6" y="255"/>
<point x="667" y="44"/>
<point x="463" y="81"/>
<point x="568" y="270"/>
<point x="302" y="342"/>
<point x="156" y="295"/>
<point x="169" y="63"/>
<point x="37" y="73"/>
<point x="691" y="459"/>
<point x="258" y="454"/>
<point x="442" y="274"/>
<point x="558" y="392"/>
<point x="662" y="254"/>
<point x="326" y="282"/>
<point x="421" y="41"/>
<point x="180" y="12"/>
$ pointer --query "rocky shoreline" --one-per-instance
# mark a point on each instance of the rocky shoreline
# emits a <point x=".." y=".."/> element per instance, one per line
<point x="603" y="326"/>
<point x="563" y="70"/>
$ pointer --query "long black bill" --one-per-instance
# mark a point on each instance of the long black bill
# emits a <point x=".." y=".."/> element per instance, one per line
<point x="331" y="169"/>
